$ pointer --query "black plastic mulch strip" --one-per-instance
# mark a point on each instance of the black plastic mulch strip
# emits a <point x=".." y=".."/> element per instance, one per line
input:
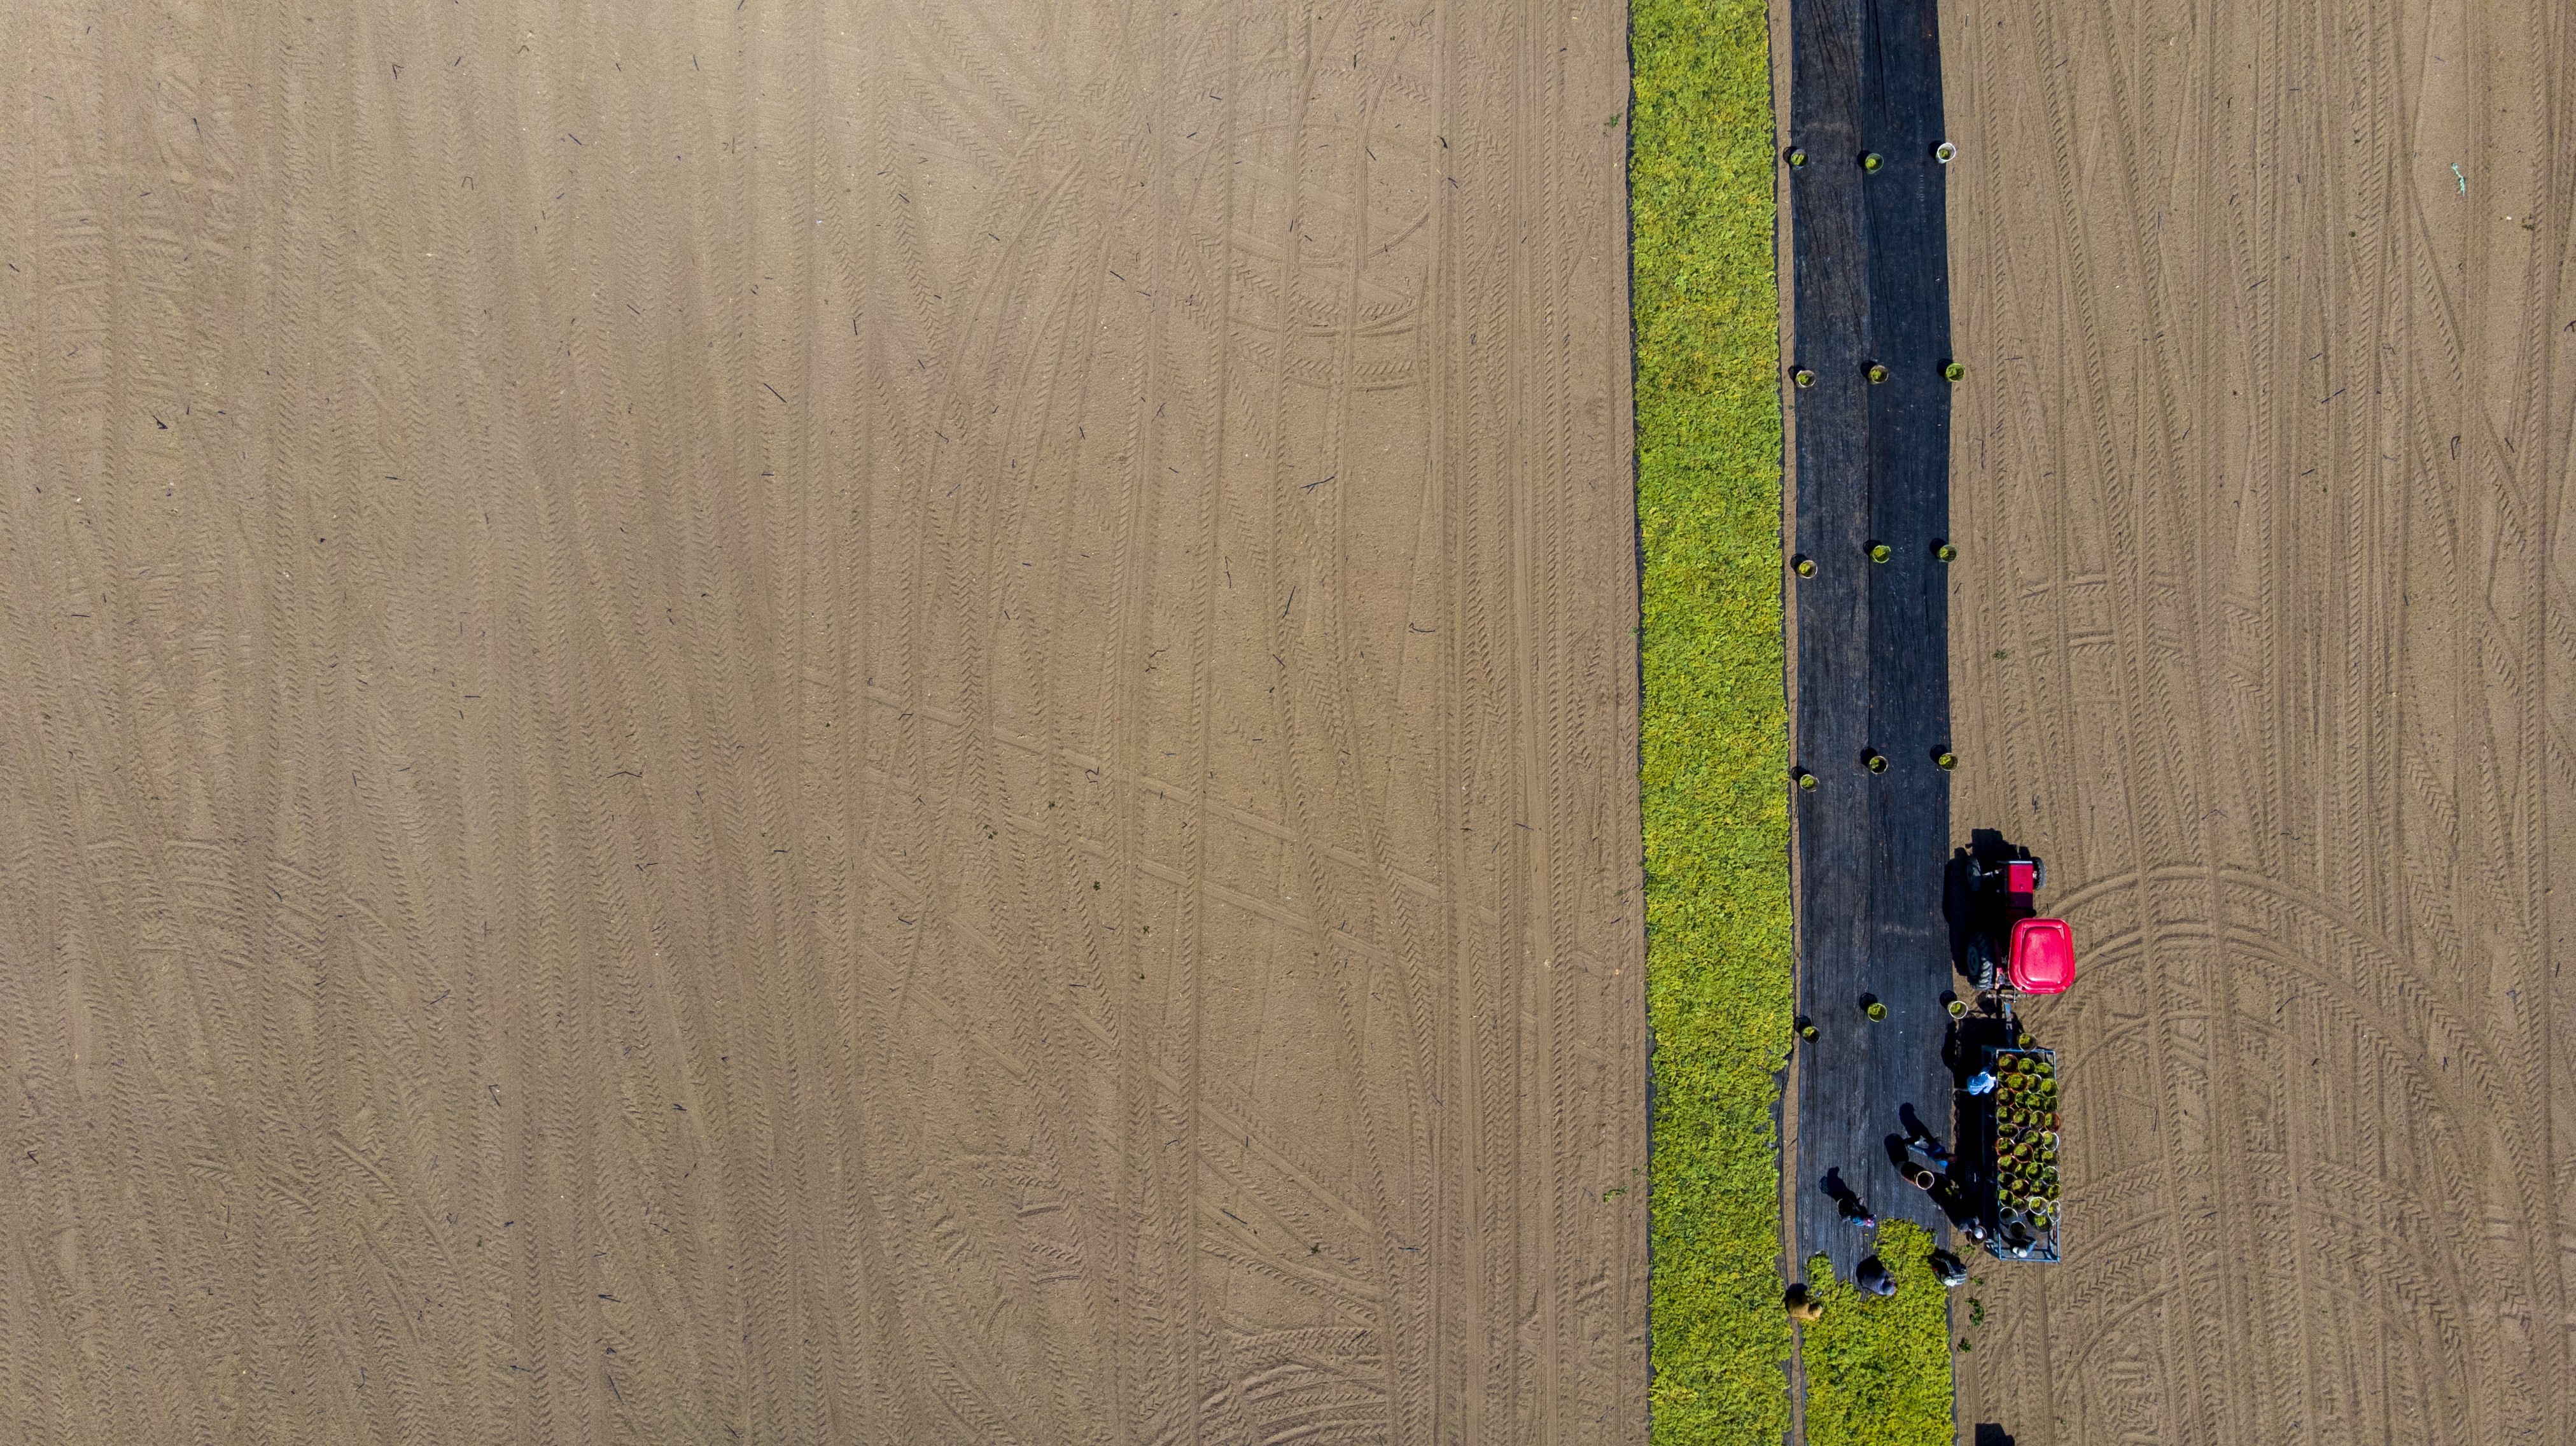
<point x="1870" y="262"/>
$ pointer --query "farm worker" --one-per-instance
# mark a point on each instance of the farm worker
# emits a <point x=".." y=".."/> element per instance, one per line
<point x="1858" y="1214"/>
<point x="1803" y="1306"/>
<point x="1874" y="1278"/>
<point x="1981" y="1083"/>
<point x="1929" y="1148"/>
<point x="1946" y="1268"/>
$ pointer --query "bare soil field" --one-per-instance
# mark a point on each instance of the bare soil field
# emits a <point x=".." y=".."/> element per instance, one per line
<point x="2264" y="637"/>
<point x="843" y="722"/>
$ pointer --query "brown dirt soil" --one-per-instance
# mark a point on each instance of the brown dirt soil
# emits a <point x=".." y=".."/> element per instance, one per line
<point x="878" y="723"/>
<point x="2265" y="639"/>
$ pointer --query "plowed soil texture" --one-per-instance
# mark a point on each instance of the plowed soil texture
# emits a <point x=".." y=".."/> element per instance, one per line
<point x="866" y="722"/>
<point x="2263" y="637"/>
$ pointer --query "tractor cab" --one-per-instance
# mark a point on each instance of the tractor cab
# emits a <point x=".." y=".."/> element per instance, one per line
<point x="2011" y="948"/>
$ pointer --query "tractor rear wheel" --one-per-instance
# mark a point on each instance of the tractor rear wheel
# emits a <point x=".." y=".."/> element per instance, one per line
<point x="1981" y="961"/>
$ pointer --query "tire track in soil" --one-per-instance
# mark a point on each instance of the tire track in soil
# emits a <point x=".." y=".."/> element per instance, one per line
<point x="2317" y="932"/>
<point x="1293" y="542"/>
<point x="1302" y="535"/>
<point x="532" y="789"/>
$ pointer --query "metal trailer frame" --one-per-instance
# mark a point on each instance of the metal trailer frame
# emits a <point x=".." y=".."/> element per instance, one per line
<point x="1990" y="1142"/>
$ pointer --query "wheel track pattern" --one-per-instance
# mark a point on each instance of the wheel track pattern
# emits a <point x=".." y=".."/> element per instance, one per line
<point x="2263" y="641"/>
<point x="593" y="603"/>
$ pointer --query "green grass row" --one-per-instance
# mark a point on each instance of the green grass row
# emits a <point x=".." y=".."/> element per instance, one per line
<point x="1715" y="766"/>
<point x="1715" y="724"/>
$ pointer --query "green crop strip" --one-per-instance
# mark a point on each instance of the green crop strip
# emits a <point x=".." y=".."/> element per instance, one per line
<point x="1715" y="725"/>
<point x="1719" y="992"/>
<point x="1878" y="1370"/>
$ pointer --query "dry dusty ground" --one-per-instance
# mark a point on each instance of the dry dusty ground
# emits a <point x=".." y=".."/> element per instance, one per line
<point x="2266" y="640"/>
<point x="846" y="722"/>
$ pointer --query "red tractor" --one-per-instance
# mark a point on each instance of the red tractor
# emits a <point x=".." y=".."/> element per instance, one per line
<point x="2009" y="1115"/>
<point x="2037" y="955"/>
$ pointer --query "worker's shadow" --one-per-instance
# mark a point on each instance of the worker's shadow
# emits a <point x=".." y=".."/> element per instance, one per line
<point x="1839" y="1190"/>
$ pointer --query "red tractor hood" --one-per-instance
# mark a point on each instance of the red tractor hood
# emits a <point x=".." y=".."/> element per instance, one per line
<point x="2043" y="956"/>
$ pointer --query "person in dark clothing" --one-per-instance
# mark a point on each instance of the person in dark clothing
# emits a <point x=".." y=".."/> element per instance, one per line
<point x="1874" y="1277"/>
<point x="1929" y="1148"/>
<point x="1946" y="1268"/>
<point x="1857" y="1213"/>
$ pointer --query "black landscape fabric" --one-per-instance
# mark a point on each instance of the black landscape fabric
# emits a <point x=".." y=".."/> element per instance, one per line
<point x="1871" y="291"/>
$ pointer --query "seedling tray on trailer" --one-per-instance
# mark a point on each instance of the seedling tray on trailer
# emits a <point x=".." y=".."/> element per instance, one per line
<point x="2019" y="1153"/>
